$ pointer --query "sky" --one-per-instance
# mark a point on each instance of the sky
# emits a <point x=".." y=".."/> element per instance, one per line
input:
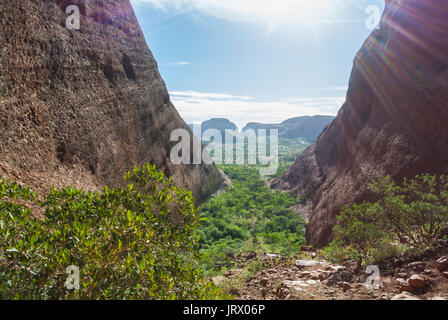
<point x="256" y="60"/>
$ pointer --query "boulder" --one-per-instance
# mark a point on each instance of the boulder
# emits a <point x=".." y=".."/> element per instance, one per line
<point x="307" y="263"/>
<point x="404" y="285"/>
<point x="337" y="268"/>
<point x="416" y="266"/>
<point x="428" y="272"/>
<point x="405" y="296"/>
<point x="442" y="264"/>
<point x="346" y="286"/>
<point x="417" y="281"/>
<point x="314" y="275"/>
<point x="324" y="276"/>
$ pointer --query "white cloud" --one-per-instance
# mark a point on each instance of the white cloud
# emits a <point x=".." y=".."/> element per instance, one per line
<point x="188" y="95"/>
<point x="176" y="64"/>
<point x="273" y="12"/>
<point x="340" y="88"/>
<point x="196" y="107"/>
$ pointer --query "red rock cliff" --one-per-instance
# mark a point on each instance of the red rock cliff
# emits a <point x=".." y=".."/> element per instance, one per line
<point x="394" y="121"/>
<point x="82" y="107"/>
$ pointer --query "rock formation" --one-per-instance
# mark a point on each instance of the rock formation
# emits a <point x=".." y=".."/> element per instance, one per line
<point x="307" y="128"/>
<point x="82" y="107"/>
<point x="218" y="124"/>
<point x="394" y="120"/>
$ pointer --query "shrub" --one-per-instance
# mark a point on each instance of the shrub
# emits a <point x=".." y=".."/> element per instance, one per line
<point x="412" y="215"/>
<point x="358" y="227"/>
<point x="137" y="242"/>
<point x="415" y="212"/>
<point x="337" y="251"/>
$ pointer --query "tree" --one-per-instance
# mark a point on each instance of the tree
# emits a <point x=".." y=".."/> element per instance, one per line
<point x="416" y="211"/>
<point x="411" y="214"/>
<point x="359" y="229"/>
<point x="137" y="242"/>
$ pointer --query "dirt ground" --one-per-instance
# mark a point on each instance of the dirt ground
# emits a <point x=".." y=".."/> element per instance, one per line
<point x="308" y="277"/>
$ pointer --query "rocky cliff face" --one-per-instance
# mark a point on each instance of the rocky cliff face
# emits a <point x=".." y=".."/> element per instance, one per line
<point x="394" y="120"/>
<point x="82" y="107"/>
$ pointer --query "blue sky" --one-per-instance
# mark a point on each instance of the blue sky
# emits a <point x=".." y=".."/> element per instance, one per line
<point x="255" y="60"/>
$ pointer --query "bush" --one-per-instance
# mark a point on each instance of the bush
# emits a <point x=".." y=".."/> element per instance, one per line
<point x="415" y="212"/>
<point x="407" y="216"/>
<point x="138" y="242"/>
<point x="358" y="226"/>
<point x="337" y="251"/>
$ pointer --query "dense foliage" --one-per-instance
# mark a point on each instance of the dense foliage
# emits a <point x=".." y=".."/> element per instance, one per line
<point x="288" y="152"/>
<point x="139" y="242"/>
<point x="248" y="217"/>
<point x="407" y="216"/>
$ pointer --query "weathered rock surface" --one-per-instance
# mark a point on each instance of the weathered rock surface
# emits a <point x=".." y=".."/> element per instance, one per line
<point x="307" y="263"/>
<point x="404" y="285"/>
<point x="417" y="281"/>
<point x="405" y="296"/>
<point x="82" y="107"/>
<point x="280" y="278"/>
<point x="394" y="119"/>
<point x="442" y="264"/>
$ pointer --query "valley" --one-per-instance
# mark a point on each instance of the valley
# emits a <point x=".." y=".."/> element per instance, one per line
<point x="107" y="193"/>
<point x="253" y="246"/>
<point x="248" y="217"/>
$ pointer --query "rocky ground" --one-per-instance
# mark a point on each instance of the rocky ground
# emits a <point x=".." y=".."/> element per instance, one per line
<point x="308" y="277"/>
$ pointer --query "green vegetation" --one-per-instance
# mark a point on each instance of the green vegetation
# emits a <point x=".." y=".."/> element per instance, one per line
<point x="139" y="242"/>
<point x="248" y="217"/>
<point x="144" y="241"/>
<point x="291" y="149"/>
<point x="407" y="217"/>
<point x="288" y="152"/>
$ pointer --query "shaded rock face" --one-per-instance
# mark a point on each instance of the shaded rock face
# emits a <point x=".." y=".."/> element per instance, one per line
<point x="82" y="107"/>
<point x="394" y="121"/>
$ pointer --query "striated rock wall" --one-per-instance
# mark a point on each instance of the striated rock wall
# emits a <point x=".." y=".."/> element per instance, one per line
<point x="394" y="121"/>
<point x="82" y="107"/>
